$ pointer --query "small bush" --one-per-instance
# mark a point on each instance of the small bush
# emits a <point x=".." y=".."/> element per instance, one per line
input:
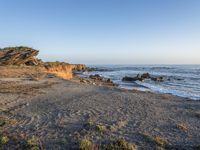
<point x="100" y="128"/>
<point x="2" y="122"/>
<point x="3" y="140"/>
<point x="33" y="143"/>
<point x="120" y="144"/>
<point x="147" y="137"/>
<point x="86" y="144"/>
<point x="89" y="124"/>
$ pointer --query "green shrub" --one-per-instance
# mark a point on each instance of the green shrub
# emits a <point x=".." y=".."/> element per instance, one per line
<point x="86" y="144"/>
<point x="33" y="143"/>
<point x="100" y="128"/>
<point x="3" y="140"/>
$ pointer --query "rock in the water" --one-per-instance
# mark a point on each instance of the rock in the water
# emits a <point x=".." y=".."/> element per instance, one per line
<point x="130" y="79"/>
<point x="145" y="76"/>
<point x="19" y="56"/>
<point x="96" y="77"/>
<point x="142" y="78"/>
<point x="157" y="79"/>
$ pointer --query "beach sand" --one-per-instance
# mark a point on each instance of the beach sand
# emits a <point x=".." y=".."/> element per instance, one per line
<point x="60" y="113"/>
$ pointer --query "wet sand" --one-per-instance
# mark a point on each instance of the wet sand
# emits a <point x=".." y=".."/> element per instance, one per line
<point x="57" y="112"/>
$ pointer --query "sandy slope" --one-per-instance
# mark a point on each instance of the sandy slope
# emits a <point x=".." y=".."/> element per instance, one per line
<point x="57" y="114"/>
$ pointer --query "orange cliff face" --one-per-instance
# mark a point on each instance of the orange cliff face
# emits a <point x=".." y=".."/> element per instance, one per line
<point x="65" y="71"/>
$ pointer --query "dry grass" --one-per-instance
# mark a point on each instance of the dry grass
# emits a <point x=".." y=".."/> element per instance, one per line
<point x="91" y="125"/>
<point x="6" y="121"/>
<point x="19" y="71"/>
<point x="38" y="77"/>
<point x="120" y="124"/>
<point x="182" y="127"/>
<point x="160" y="141"/>
<point x="120" y="144"/>
<point x="33" y="143"/>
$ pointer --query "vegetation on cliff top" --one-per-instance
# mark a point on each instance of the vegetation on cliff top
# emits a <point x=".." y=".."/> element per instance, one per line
<point x="54" y="64"/>
<point x="17" y="48"/>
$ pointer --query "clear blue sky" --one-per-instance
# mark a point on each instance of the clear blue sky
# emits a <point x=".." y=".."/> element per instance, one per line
<point x="105" y="31"/>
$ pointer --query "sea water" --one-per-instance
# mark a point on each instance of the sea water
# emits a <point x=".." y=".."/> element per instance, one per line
<point x="179" y="80"/>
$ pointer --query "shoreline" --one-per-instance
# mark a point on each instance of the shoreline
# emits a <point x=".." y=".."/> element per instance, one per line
<point x="137" y="87"/>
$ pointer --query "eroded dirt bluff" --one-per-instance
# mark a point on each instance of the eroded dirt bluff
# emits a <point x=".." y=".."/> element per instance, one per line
<point x="65" y="71"/>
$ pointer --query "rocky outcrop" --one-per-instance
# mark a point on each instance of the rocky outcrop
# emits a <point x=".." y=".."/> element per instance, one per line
<point x="19" y="56"/>
<point x="97" y="80"/>
<point x="27" y="56"/>
<point x="130" y="79"/>
<point x="80" y="67"/>
<point x="96" y="77"/>
<point x="142" y="78"/>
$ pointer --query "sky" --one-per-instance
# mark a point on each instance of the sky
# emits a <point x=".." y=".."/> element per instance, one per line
<point x="104" y="31"/>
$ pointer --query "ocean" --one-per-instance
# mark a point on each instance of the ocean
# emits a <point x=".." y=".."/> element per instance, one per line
<point x="179" y="80"/>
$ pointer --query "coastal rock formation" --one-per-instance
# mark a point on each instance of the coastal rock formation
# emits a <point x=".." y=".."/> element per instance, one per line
<point x="19" y="56"/>
<point x="97" y="80"/>
<point x="63" y="70"/>
<point x="142" y="78"/>
<point x="27" y="57"/>
<point x="80" y="67"/>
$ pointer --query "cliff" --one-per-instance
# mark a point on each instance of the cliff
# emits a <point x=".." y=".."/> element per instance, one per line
<point x="25" y="56"/>
<point x="63" y="70"/>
